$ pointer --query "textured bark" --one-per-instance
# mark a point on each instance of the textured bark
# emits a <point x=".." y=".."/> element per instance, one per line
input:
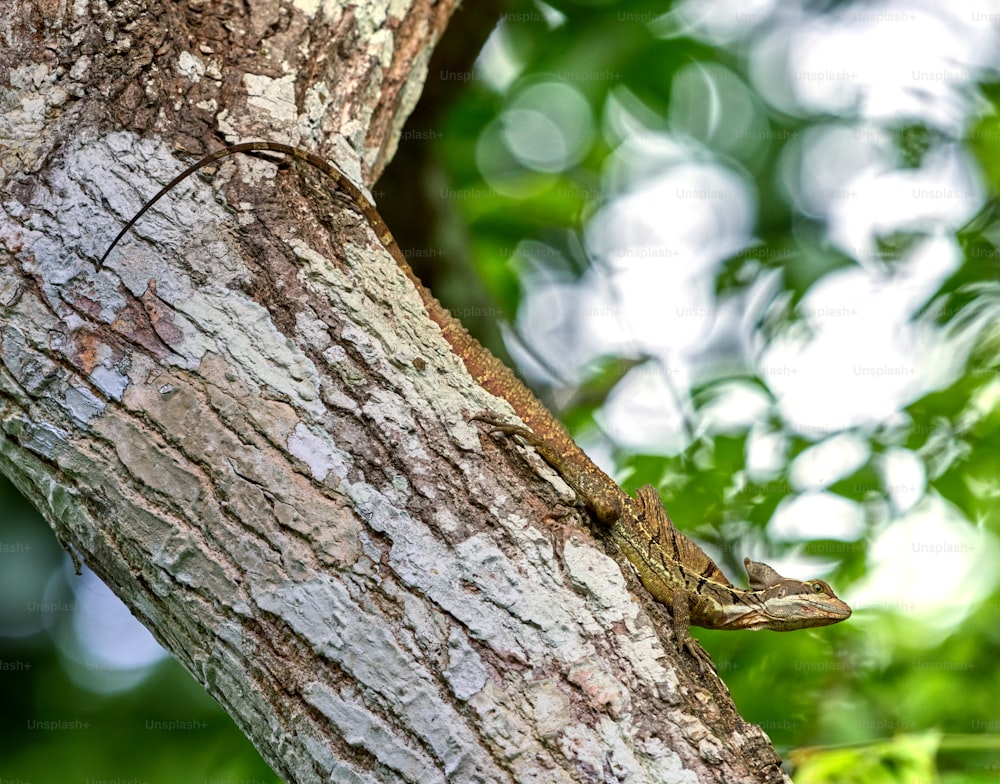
<point x="248" y="427"/>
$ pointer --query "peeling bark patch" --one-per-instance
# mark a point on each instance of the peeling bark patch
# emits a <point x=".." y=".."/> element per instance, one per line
<point x="110" y="381"/>
<point x="190" y="66"/>
<point x="602" y="754"/>
<point x="42" y="439"/>
<point x="550" y="706"/>
<point x="276" y="97"/>
<point x="364" y="729"/>
<point x="34" y="371"/>
<point x="82" y="404"/>
<point x="252" y="342"/>
<point x="601" y="688"/>
<point x="134" y="322"/>
<point x="39" y="376"/>
<point x="364" y="644"/>
<point x="317" y="453"/>
<point x="583" y="747"/>
<point x="425" y="563"/>
<point x="337" y="771"/>
<point x="153" y="466"/>
<point x="598" y="577"/>
<point x="465" y="672"/>
<point x="495" y="576"/>
<point x="160" y="318"/>
<point x="87" y="351"/>
<point x="308" y="7"/>
<point x="666" y="759"/>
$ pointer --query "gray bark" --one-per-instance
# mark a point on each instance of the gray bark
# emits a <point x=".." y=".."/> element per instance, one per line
<point x="248" y="427"/>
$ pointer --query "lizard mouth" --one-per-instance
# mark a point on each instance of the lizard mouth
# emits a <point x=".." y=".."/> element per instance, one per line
<point x="798" y="612"/>
<point x="840" y="610"/>
<point x="805" y="614"/>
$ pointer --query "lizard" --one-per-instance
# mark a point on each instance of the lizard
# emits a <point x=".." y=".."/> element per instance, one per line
<point x="673" y="568"/>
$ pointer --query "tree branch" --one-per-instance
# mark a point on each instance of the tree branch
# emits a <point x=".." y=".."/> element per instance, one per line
<point x="249" y="428"/>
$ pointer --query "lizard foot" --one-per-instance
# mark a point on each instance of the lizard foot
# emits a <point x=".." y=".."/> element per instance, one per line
<point x="596" y="490"/>
<point x="699" y="654"/>
<point x="498" y="425"/>
<point x="682" y="632"/>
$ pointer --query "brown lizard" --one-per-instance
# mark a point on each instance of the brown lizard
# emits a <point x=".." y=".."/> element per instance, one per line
<point x="675" y="570"/>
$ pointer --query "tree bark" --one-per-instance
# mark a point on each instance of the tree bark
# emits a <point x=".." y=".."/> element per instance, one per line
<point x="249" y="428"/>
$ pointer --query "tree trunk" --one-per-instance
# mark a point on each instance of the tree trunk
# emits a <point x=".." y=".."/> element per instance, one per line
<point x="248" y="427"/>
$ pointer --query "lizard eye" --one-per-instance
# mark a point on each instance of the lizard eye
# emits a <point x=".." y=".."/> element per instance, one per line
<point x="817" y="587"/>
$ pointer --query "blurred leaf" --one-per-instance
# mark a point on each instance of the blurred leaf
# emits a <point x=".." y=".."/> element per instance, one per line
<point x="861" y="484"/>
<point x="905" y="759"/>
<point x="984" y="141"/>
<point x="603" y="374"/>
<point x="913" y="141"/>
<point x="896" y="246"/>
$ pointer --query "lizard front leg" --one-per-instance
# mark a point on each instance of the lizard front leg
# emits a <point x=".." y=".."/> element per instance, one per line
<point x="682" y="632"/>
<point x="598" y="492"/>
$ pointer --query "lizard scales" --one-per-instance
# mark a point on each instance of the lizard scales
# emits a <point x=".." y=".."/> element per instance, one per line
<point x="674" y="569"/>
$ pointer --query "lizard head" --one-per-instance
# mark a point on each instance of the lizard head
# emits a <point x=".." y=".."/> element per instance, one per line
<point x="787" y="604"/>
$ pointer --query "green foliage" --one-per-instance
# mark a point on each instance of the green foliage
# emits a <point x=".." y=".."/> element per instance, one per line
<point x="899" y="760"/>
